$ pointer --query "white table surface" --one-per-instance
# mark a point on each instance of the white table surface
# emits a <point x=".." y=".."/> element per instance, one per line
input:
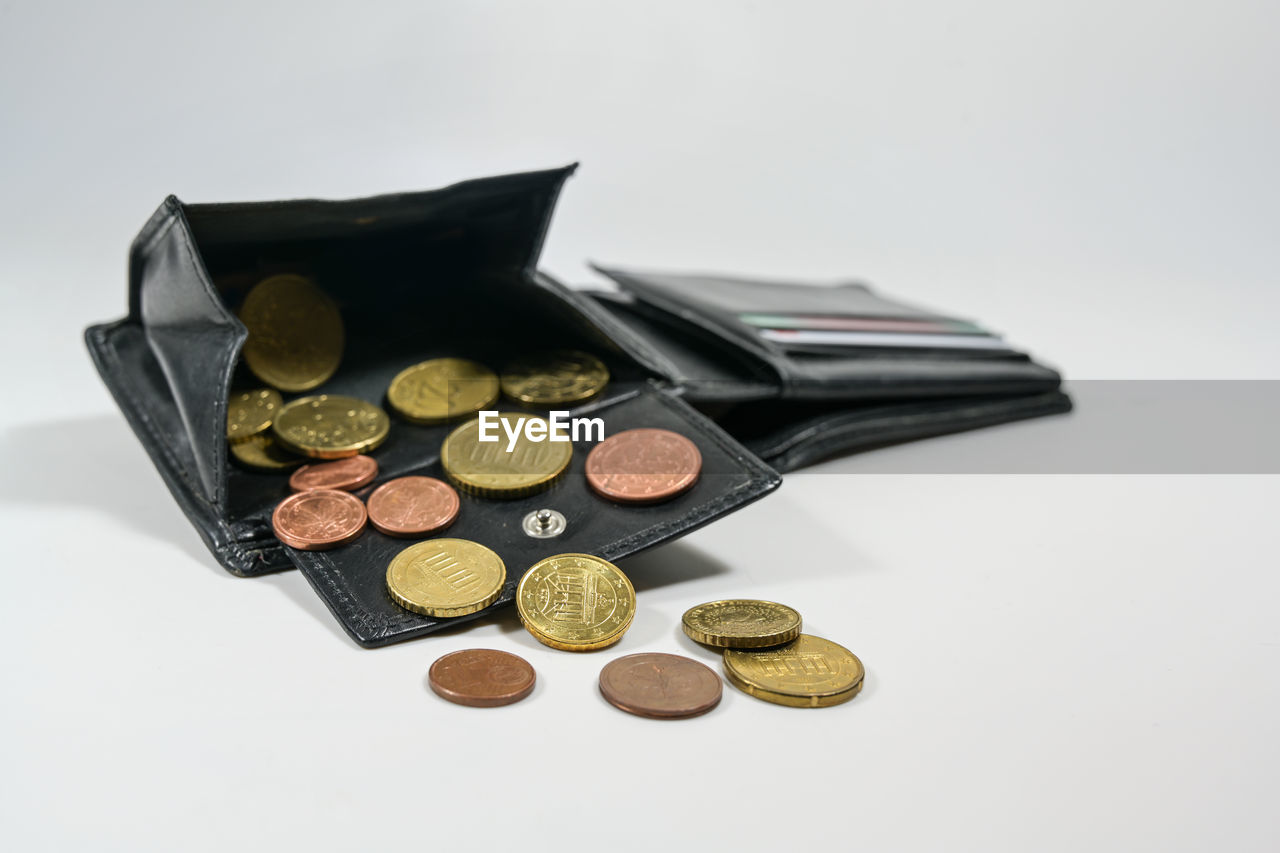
<point x="1055" y="661"/>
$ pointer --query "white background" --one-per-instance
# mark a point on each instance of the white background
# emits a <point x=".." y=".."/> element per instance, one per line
<point x="1053" y="661"/>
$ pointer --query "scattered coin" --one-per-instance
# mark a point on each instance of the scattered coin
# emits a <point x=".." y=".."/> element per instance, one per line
<point x="413" y="506"/>
<point x="576" y="602"/>
<point x="250" y="413"/>
<point x="555" y="378"/>
<point x="481" y="678"/>
<point x="808" y="672"/>
<point x="346" y="474"/>
<point x="741" y="624"/>
<point x="319" y="519"/>
<point x="642" y="466"/>
<point x="489" y="469"/>
<point x="262" y="453"/>
<point x="295" y="333"/>
<point x="330" y="427"/>
<point x="442" y="389"/>
<point x="445" y="577"/>
<point x="658" y="685"/>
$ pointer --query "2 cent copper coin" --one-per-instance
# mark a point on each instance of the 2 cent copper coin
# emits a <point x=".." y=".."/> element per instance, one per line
<point x="642" y="466"/>
<point x="481" y="678"/>
<point x="413" y="506"/>
<point x="319" y="519"/>
<point x="652" y="684"/>
<point x="346" y="474"/>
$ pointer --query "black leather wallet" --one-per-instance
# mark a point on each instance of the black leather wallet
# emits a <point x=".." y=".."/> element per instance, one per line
<point x="452" y="272"/>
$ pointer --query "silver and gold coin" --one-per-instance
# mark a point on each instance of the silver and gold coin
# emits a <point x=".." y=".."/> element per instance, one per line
<point x="808" y="672"/>
<point x="576" y="602"/>
<point x="446" y="577"/>
<point x="261" y="453"/>
<point x="442" y="389"/>
<point x="556" y="378"/>
<point x="329" y="426"/>
<point x="490" y="469"/>
<point x="295" y="333"/>
<point x="741" y="623"/>
<point x="251" y="412"/>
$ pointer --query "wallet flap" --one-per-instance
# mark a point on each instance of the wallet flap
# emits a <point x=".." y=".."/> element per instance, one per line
<point x="352" y="579"/>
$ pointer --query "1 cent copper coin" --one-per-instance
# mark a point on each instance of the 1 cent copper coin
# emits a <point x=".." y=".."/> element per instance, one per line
<point x="652" y="684"/>
<point x="319" y="519"/>
<point x="345" y="474"/>
<point x="413" y="506"/>
<point x="642" y="466"/>
<point x="481" y="678"/>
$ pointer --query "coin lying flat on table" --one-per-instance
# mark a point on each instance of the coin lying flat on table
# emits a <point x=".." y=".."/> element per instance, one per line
<point x="555" y="378"/>
<point x="329" y="426"/>
<point x="489" y="469"/>
<point x="262" y="453"/>
<point x="741" y="623"/>
<point x="481" y="678"/>
<point x="446" y="577"/>
<point x="658" y="685"/>
<point x="251" y="412"/>
<point x="295" y="333"/>
<point x="808" y="672"/>
<point x="346" y="474"/>
<point x="576" y="602"/>
<point x="319" y="519"/>
<point x="442" y="389"/>
<point x="413" y="506"/>
<point x="643" y="466"/>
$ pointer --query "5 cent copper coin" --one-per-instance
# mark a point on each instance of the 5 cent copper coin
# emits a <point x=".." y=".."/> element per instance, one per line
<point x="345" y="474"/>
<point x="642" y="466"/>
<point x="319" y="519"/>
<point x="413" y="506"/>
<point x="481" y="678"/>
<point x="652" y="684"/>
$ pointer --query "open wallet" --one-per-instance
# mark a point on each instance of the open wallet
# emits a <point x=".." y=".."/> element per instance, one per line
<point x="452" y="272"/>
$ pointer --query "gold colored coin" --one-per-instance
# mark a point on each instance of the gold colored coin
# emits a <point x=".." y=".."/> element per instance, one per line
<point x="328" y="426"/>
<point x="808" y="672"/>
<point x="261" y="453"/>
<point x="442" y="389"/>
<point x="555" y="378"/>
<point x="295" y="333"/>
<point x="446" y="577"/>
<point x="488" y="468"/>
<point x="576" y="602"/>
<point x="741" y="623"/>
<point x="251" y="412"/>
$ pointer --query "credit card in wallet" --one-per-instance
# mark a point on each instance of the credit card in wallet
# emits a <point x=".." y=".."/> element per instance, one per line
<point x="883" y="339"/>
<point x="849" y="323"/>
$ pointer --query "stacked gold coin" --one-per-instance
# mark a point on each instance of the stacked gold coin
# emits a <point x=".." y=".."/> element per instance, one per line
<point x="249" y="417"/>
<point x="442" y="389"/>
<point x="489" y="469"/>
<point x="576" y="602"/>
<point x="766" y="656"/>
<point x="329" y="426"/>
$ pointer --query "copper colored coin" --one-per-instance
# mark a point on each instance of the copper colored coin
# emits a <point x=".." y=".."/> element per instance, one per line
<point x="413" y="506"/>
<point x="652" y="684"/>
<point x="319" y="519"/>
<point x="346" y="474"/>
<point x="481" y="678"/>
<point x="642" y="466"/>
